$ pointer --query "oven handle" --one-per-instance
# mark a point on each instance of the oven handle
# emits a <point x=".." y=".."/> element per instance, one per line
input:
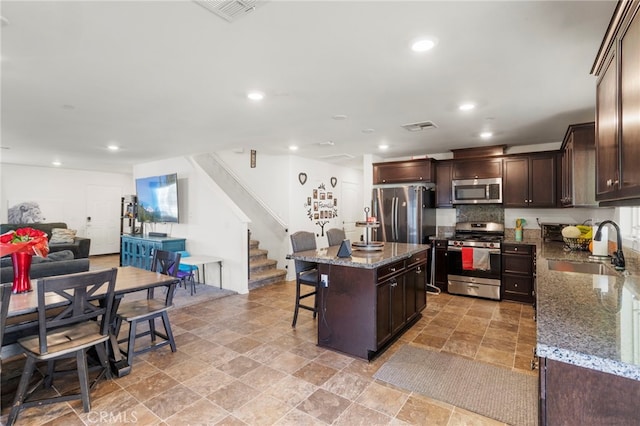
<point x="491" y="251"/>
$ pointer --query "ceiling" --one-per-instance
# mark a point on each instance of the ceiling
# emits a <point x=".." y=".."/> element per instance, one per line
<point x="168" y="78"/>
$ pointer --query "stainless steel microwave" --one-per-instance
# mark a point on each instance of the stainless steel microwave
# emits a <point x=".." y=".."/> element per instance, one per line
<point x="476" y="191"/>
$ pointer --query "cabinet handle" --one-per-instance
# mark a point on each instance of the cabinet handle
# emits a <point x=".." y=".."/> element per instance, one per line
<point x="531" y="201"/>
<point x="515" y="249"/>
<point x="515" y="285"/>
<point x="418" y="271"/>
<point x="392" y="269"/>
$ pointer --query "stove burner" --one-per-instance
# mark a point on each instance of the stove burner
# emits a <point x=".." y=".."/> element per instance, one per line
<point x="478" y="234"/>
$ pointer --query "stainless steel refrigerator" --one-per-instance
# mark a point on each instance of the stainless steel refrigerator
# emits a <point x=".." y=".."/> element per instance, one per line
<point x="406" y="213"/>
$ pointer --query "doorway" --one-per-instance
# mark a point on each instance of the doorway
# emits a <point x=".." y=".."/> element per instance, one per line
<point x="103" y="218"/>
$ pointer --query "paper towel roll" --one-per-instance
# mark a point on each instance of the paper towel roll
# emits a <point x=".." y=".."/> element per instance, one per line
<point x="601" y="248"/>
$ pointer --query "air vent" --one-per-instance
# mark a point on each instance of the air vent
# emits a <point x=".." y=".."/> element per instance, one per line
<point x="229" y="10"/>
<point x="420" y="126"/>
<point x="337" y="157"/>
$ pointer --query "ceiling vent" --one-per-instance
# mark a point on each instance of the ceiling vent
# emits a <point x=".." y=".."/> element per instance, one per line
<point x="337" y="157"/>
<point x="420" y="126"/>
<point x="230" y="10"/>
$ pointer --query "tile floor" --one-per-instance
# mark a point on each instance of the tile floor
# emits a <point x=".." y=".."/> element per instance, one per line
<point x="240" y="362"/>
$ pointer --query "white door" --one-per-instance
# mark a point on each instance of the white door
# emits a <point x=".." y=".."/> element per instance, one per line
<point x="351" y="211"/>
<point x="103" y="218"/>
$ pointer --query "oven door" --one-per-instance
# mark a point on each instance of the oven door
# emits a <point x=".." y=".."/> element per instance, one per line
<point x="455" y="265"/>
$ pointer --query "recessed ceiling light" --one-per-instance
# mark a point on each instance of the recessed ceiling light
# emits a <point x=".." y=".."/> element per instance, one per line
<point x="255" y="96"/>
<point x="467" y="106"/>
<point x="423" y="45"/>
<point x="486" y="135"/>
<point x="368" y="130"/>
<point x="293" y="148"/>
<point x="383" y="147"/>
<point x="339" y="117"/>
<point x="113" y="147"/>
<point x="56" y="163"/>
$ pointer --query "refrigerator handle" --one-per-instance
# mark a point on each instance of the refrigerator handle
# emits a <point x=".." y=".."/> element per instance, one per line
<point x="395" y="219"/>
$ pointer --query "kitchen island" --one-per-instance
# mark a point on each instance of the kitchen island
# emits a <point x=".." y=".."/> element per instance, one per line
<point x="369" y="299"/>
<point x="588" y="332"/>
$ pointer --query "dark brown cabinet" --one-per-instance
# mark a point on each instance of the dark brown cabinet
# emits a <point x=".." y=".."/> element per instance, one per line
<point x="440" y="278"/>
<point x="530" y="181"/>
<point x="573" y="395"/>
<point x="477" y="169"/>
<point x="578" y="166"/>
<point x="444" y="171"/>
<point x="420" y="170"/>
<point x="618" y="107"/>
<point x="416" y="285"/>
<point x="518" y="272"/>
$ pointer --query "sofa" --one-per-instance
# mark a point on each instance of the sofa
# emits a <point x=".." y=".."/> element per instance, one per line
<point x="57" y="263"/>
<point x="80" y="246"/>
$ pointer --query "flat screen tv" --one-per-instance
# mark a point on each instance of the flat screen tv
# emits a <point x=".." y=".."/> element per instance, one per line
<point x="158" y="198"/>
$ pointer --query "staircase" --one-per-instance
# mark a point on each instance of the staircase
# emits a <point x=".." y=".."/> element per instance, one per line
<point x="262" y="270"/>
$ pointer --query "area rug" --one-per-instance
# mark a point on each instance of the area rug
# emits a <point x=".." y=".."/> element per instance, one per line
<point x="491" y="391"/>
<point x="182" y="297"/>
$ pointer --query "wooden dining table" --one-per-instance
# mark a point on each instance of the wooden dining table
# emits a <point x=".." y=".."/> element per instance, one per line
<point x="129" y="279"/>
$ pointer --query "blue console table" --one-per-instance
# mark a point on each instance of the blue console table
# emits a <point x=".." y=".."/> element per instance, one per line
<point x="138" y="251"/>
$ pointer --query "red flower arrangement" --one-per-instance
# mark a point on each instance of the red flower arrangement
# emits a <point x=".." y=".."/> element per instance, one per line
<point x="24" y="240"/>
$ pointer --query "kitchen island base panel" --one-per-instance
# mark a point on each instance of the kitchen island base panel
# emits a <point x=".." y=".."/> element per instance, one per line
<point x="570" y="394"/>
<point x="360" y="313"/>
<point x="346" y="317"/>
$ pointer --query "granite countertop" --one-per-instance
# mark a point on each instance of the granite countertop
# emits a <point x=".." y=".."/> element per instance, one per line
<point x="361" y="259"/>
<point x="588" y="320"/>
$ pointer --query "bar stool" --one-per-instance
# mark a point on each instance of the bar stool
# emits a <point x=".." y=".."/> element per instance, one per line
<point x="335" y="236"/>
<point x="306" y="273"/>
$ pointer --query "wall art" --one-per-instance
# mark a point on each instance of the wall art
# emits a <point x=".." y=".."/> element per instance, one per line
<point x="322" y="206"/>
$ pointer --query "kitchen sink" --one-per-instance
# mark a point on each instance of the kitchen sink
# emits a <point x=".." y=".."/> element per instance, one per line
<point x="581" y="267"/>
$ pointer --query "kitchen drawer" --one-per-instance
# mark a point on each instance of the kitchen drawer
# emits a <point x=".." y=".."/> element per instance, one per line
<point x="518" y="248"/>
<point x="440" y="243"/>
<point x="389" y="270"/>
<point x="517" y="264"/>
<point x="517" y="288"/>
<point x="417" y="258"/>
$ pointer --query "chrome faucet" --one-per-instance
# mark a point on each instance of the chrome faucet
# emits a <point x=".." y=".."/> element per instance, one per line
<point x="617" y="258"/>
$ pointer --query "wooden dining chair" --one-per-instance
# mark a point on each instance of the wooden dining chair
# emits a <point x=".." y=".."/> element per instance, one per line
<point x="138" y="312"/>
<point x="306" y="273"/>
<point x="82" y="323"/>
<point x="335" y="236"/>
<point x="5" y="298"/>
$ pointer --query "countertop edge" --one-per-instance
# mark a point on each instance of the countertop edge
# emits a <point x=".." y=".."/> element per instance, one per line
<point x="346" y="261"/>
<point x="591" y="362"/>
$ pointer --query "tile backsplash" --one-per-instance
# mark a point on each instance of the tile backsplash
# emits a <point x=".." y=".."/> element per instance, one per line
<point x="480" y="213"/>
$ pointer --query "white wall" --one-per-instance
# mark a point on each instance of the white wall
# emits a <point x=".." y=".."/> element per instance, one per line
<point x="209" y="221"/>
<point x="275" y="181"/>
<point x="61" y="193"/>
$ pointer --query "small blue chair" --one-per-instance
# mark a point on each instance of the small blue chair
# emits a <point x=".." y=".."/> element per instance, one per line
<point x="185" y="272"/>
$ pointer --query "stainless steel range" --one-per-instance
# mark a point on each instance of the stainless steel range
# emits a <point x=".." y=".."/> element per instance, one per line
<point x="473" y="263"/>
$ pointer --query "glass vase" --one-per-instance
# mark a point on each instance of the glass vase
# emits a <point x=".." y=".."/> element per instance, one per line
<point x="21" y="268"/>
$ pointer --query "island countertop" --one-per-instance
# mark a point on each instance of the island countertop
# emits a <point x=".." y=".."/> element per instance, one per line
<point x="591" y="321"/>
<point x="359" y="258"/>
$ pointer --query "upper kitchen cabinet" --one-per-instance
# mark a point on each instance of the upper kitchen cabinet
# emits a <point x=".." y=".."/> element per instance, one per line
<point x="477" y="168"/>
<point x="420" y="170"/>
<point x="530" y="180"/>
<point x="443" y="184"/>
<point x="579" y="166"/>
<point x="618" y="107"/>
